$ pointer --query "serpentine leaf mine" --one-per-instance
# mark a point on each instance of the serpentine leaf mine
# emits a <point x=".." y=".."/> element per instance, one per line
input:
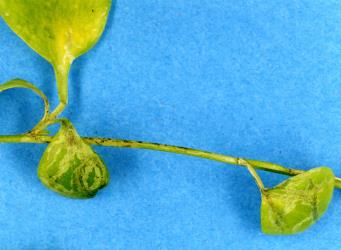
<point x="297" y="203"/>
<point x="70" y="167"/>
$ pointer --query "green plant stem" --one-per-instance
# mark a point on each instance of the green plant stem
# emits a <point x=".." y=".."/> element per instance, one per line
<point x="107" y="142"/>
<point x="62" y="75"/>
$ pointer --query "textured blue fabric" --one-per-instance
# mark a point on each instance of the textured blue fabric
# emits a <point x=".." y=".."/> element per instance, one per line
<point x="250" y="78"/>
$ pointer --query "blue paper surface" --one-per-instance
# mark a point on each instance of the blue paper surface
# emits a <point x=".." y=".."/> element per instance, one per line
<point x="255" y="79"/>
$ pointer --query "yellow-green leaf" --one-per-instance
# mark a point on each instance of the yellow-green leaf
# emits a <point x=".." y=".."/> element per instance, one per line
<point x="297" y="203"/>
<point x="58" y="30"/>
<point x="70" y="167"/>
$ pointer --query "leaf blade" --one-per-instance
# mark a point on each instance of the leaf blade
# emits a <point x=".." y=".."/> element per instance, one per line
<point x="58" y="30"/>
<point x="297" y="203"/>
<point x="71" y="167"/>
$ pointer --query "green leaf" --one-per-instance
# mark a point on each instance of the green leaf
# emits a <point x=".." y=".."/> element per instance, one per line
<point x="70" y="167"/>
<point x="58" y="30"/>
<point x="297" y="203"/>
<point x="18" y="83"/>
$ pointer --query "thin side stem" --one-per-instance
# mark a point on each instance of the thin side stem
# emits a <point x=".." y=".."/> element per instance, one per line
<point x="254" y="174"/>
<point x="107" y="142"/>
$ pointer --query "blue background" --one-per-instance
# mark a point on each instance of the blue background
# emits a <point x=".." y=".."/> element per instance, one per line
<point x="258" y="79"/>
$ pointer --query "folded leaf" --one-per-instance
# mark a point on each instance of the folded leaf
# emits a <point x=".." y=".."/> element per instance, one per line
<point x="297" y="203"/>
<point x="70" y="167"/>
